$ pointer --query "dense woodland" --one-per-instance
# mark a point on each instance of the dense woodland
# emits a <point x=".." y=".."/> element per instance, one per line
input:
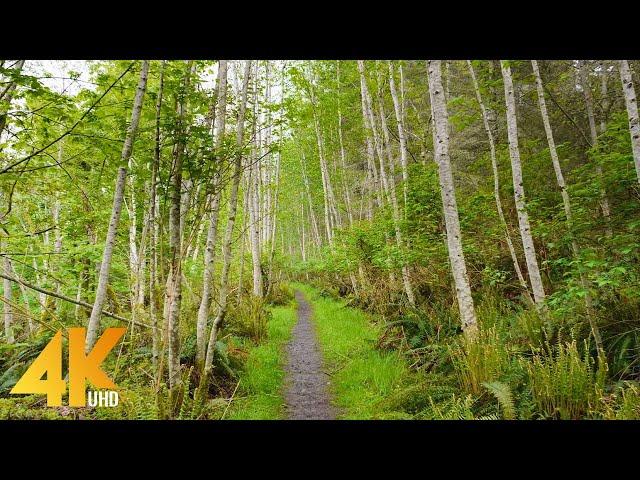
<point x="483" y="217"/>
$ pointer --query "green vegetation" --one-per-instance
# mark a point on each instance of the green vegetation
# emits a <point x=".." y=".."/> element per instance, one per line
<point x="185" y="200"/>
<point x="261" y="382"/>
<point x="361" y="375"/>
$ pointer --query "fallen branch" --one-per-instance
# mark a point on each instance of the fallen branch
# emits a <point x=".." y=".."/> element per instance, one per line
<point x="72" y="300"/>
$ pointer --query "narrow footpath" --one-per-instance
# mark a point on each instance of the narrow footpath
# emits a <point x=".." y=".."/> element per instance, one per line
<point x="307" y="386"/>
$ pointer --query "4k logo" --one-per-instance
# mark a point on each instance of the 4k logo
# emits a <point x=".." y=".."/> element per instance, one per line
<point x="82" y="367"/>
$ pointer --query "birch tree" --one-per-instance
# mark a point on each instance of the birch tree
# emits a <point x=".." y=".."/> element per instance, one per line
<point x="153" y="219"/>
<point x="226" y="247"/>
<point x="518" y="186"/>
<point x="450" y="207"/>
<point x="105" y="265"/>
<point x="632" y="112"/>
<point x="566" y="201"/>
<point x="212" y="233"/>
<point x="496" y="185"/>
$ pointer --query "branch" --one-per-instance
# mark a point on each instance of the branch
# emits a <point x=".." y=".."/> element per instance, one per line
<point x="72" y="300"/>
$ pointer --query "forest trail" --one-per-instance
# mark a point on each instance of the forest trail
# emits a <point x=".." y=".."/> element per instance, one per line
<point x="306" y="393"/>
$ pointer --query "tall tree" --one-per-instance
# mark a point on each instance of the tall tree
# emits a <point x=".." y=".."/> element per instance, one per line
<point x="448" y="194"/>
<point x="496" y="185"/>
<point x="212" y="233"/>
<point x="228" y="237"/>
<point x="174" y="292"/>
<point x="565" y="198"/>
<point x="105" y="265"/>
<point x="632" y="112"/>
<point x="518" y="187"/>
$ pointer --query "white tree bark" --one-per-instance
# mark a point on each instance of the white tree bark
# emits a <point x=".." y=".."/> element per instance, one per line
<point x="401" y="133"/>
<point x="565" y="196"/>
<point x="518" y="186"/>
<point x="450" y="207"/>
<point x="176" y="224"/>
<point x="226" y="247"/>
<point x="103" y="278"/>
<point x="632" y="112"/>
<point x="153" y="214"/>
<point x="254" y="200"/>
<point x="212" y="233"/>
<point x="8" y="297"/>
<point x="496" y="186"/>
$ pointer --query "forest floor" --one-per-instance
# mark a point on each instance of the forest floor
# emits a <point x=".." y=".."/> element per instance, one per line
<point x="319" y="361"/>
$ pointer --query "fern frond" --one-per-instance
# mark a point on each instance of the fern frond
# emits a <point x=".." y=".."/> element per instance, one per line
<point x="502" y="392"/>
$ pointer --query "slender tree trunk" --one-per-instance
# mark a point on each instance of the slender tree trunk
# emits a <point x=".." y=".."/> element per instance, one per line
<point x="212" y="233"/>
<point x="8" y="296"/>
<point x="254" y="200"/>
<point x="226" y="248"/>
<point x="518" y="186"/>
<point x="450" y="207"/>
<point x="395" y="209"/>
<point x="401" y="133"/>
<point x="588" y="97"/>
<point x="604" y="97"/>
<point x="103" y="279"/>
<point x="565" y="200"/>
<point x="343" y="162"/>
<point x="314" y="220"/>
<point x="632" y="112"/>
<point x="153" y="214"/>
<point x="175" y="247"/>
<point x="496" y="187"/>
<point x="332" y="219"/>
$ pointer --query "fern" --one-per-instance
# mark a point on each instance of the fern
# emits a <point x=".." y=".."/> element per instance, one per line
<point x="502" y="392"/>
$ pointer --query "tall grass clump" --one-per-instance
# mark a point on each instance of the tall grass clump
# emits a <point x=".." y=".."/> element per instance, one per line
<point x="482" y="359"/>
<point x="564" y="383"/>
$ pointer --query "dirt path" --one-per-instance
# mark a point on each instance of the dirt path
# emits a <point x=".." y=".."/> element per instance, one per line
<point x="306" y="391"/>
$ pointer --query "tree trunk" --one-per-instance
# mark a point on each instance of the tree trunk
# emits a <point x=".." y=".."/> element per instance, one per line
<point x="8" y="296"/>
<point x="226" y="248"/>
<point x="518" y="186"/>
<point x="450" y="207"/>
<point x="212" y="233"/>
<point x="496" y="186"/>
<point x="153" y="214"/>
<point x="632" y="112"/>
<point x="103" y="279"/>
<point x="401" y="133"/>
<point x="254" y="200"/>
<point x="175" y="247"/>
<point x="565" y="200"/>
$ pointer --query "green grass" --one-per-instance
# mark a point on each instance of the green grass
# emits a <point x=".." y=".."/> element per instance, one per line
<point x="260" y="390"/>
<point x="362" y="377"/>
